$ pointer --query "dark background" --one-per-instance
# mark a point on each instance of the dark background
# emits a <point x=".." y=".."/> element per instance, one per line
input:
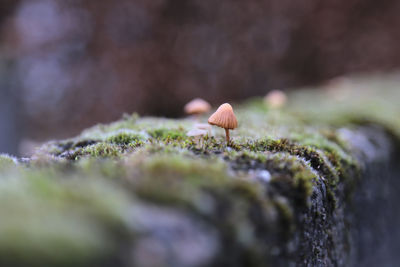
<point x="66" y="65"/>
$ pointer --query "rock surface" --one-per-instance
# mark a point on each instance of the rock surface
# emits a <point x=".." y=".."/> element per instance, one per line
<point x="312" y="184"/>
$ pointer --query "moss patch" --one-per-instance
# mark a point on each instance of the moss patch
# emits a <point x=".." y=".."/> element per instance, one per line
<point x="283" y="168"/>
<point x="6" y="162"/>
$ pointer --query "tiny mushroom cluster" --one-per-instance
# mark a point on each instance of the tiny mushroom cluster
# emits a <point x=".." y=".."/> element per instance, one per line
<point x="223" y="117"/>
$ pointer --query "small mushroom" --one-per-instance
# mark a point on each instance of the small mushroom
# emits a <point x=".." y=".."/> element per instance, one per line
<point x="275" y="99"/>
<point x="338" y="88"/>
<point x="196" y="107"/>
<point x="224" y="118"/>
<point x="203" y="126"/>
<point x="198" y="135"/>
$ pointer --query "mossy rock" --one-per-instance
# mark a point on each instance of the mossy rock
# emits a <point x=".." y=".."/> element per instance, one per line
<point x="140" y="192"/>
<point x="7" y="161"/>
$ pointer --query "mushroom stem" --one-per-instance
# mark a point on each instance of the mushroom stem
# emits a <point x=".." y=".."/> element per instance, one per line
<point x="227" y="136"/>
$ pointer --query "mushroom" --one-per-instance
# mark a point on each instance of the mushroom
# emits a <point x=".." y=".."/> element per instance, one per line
<point x="224" y="118"/>
<point x="203" y="126"/>
<point x="338" y="88"/>
<point x="275" y="99"/>
<point x="197" y="134"/>
<point x="197" y="106"/>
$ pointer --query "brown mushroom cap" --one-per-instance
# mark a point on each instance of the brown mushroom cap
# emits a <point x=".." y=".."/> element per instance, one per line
<point x="224" y="117"/>
<point x="196" y="132"/>
<point x="275" y="99"/>
<point x="197" y="106"/>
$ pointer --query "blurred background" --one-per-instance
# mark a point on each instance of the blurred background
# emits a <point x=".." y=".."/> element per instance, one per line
<point x="66" y="65"/>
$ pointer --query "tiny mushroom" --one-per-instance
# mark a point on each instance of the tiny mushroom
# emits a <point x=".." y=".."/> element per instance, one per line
<point x="197" y="134"/>
<point x="275" y="99"/>
<point x="224" y="118"/>
<point x="339" y="88"/>
<point x="203" y="126"/>
<point x="197" y="106"/>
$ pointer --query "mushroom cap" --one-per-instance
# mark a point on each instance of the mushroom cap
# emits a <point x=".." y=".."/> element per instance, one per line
<point x="202" y="126"/>
<point x="224" y="117"/>
<point x="196" y="132"/>
<point x="275" y="98"/>
<point x="197" y="106"/>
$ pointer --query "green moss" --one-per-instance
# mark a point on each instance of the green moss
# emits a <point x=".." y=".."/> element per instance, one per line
<point x="161" y="176"/>
<point x="55" y="222"/>
<point x="163" y="133"/>
<point x="101" y="150"/>
<point x="344" y="103"/>
<point x="250" y="192"/>
<point x="124" y="138"/>
<point x="6" y="162"/>
<point x="256" y="104"/>
<point x="286" y="217"/>
<point x="100" y="167"/>
<point x="183" y="166"/>
<point x="127" y="122"/>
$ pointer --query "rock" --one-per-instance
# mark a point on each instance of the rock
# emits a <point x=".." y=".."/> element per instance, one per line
<point x="308" y="185"/>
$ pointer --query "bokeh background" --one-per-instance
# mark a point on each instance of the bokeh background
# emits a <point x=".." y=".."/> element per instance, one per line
<point x="66" y="65"/>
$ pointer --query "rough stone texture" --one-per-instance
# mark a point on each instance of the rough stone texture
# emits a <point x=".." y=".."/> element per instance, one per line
<point x="308" y="185"/>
